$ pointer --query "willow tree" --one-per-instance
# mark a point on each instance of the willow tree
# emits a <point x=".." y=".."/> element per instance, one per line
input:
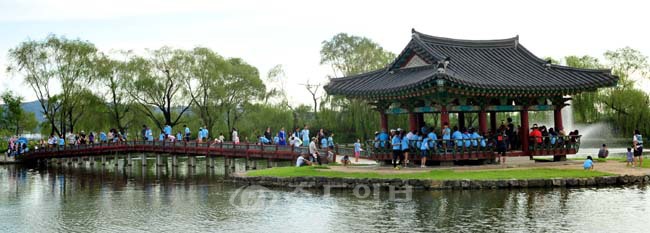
<point x="204" y="72"/>
<point x="59" y="59"/>
<point x="243" y="86"/>
<point x="584" y="104"/>
<point x="112" y="76"/>
<point x="349" y="55"/>
<point x="155" y="82"/>
<point x="13" y="118"/>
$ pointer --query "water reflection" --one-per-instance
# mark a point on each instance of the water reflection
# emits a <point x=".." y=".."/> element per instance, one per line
<point x="182" y="199"/>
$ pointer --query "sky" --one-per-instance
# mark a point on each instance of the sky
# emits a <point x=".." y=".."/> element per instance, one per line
<point x="290" y="33"/>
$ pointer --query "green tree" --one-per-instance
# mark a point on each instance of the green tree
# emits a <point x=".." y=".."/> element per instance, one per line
<point x="55" y="58"/>
<point x="112" y="76"/>
<point x="583" y="103"/>
<point x="156" y="83"/>
<point x="12" y="116"/>
<point x="349" y="55"/>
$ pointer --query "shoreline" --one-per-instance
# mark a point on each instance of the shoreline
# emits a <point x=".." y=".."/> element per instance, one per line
<point x="429" y="184"/>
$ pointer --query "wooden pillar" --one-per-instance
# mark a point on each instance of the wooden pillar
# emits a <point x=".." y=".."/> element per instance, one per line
<point x="413" y="121"/>
<point x="444" y="116"/>
<point x="421" y="122"/>
<point x="493" y="121"/>
<point x="461" y="120"/>
<point x="143" y="157"/>
<point x="384" y="121"/>
<point x="524" y="129"/>
<point x="174" y="160"/>
<point x="129" y="160"/>
<point x="557" y="118"/>
<point x="482" y="122"/>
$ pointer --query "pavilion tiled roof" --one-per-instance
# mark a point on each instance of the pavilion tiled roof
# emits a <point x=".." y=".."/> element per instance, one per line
<point x="482" y="66"/>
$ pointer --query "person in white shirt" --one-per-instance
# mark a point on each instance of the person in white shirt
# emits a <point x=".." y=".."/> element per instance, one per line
<point x="313" y="151"/>
<point x="301" y="161"/>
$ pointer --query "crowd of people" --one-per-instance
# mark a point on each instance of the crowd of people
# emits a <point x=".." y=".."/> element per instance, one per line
<point x="17" y="146"/>
<point x="428" y="140"/>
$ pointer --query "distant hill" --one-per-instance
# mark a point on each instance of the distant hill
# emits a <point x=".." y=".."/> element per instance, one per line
<point x="34" y="107"/>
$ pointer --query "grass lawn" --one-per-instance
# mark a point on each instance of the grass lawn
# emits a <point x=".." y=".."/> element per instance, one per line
<point x="536" y="173"/>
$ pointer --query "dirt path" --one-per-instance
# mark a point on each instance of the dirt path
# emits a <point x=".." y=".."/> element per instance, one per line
<point x="614" y="167"/>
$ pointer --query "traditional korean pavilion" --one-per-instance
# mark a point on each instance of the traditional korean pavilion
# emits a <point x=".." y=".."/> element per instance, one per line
<point x="441" y="76"/>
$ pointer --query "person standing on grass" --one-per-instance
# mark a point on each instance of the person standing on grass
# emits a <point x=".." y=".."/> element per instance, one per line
<point x="637" y="141"/>
<point x="630" y="157"/>
<point x="397" y="148"/>
<point x="588" y="164"/>
<point x="357" y="150"/>
<point x="502" y="145"/>
<point x="404" y="156"/>
<point x="313" y="151"/>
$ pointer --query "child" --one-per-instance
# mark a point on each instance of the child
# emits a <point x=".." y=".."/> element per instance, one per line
<point x="345" y="160"/>
<point x="589" y="164"/>
<point x="630" y="157"/>
<point x="357" y="150"/>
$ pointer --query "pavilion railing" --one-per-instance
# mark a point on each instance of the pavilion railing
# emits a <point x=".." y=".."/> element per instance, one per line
<point x="480" y="145"/>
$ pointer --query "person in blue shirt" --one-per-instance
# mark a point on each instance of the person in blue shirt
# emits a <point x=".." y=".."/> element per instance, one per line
<point x="205" y="133"/>
<point x="149" y="134"/>
<point x="424" y="147"/>
<point x="282" y="137"/>
<point x="466" y="138"/>
<point x="161" y="137"/>
<point x="62" y="140"/>
<point x="396" y="142"/>
<point x="188" y="133"/>
<point x="475" y="138"/>
<point x="383" y="139"/>
<point x="102" y="137"/>
<point x="405" y="149"/>
<point x="330" y="141"/>
<point x="305" y="136"/>
<point x="199" y="135"/>
<point x="482" y="141"/>
<point x="263" y="140"/>
<point x="588" y="164"/>
<point x="276" y="139"/>
<point x="457" y="136"/>
<point x="357" y="150"/>
<point x="168" y="130"/>
<point x="179" y="136"/>
<point x="417" y="140"/>
<point x="446" y="135"/>
<point x="433" y="139"/>
<point x="323" y="143"/>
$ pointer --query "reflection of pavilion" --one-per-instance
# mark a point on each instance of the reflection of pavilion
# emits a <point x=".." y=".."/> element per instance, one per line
<point x="442" y="75"/>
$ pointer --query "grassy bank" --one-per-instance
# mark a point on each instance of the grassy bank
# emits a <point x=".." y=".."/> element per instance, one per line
<point x="537" y="173"/>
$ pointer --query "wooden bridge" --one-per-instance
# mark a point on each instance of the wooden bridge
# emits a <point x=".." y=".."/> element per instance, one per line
<point x="162" y="150"/>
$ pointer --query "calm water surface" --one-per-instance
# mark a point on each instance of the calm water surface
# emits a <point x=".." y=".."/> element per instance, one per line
<point x="83" y="199"/>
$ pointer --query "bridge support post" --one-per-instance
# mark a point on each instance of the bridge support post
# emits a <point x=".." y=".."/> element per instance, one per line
<point x="211" y="161"/>
<point x="269" y="163"/>
<point x="159" y="162"/>
<point x="129" y="160"/>
<point x="143" y="157"/>
<point x="226" y="166"/>
<point x="174" y="160"/>
<point x="247" y="167"/>
<point x="254" y="164"/>
<point x="103" y="160"/>
<point x="232" y="165"/>
<point x="116" y="161"/>
<point x="80" y="161"/>
<point x="191" y="161"/>
<point x="91" y="160"/>
<point x="68" y="161"/>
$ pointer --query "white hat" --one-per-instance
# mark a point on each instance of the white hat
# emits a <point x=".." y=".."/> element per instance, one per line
<point x="399" y="129"/>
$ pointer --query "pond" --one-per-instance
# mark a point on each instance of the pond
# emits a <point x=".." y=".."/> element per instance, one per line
<point x="83" y="199"/>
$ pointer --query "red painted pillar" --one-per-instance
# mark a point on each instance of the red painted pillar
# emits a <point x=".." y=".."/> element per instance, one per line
<point x="413" y="121"/>
<point x="383" y="117"/>
<point x="461" y="120"/>
<point x="524" y="129"/>
<point x="557" y="118"/>
<point x="444" y="116"/>
<point x="493" y="121"/>
<point x="482" y="122"/>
